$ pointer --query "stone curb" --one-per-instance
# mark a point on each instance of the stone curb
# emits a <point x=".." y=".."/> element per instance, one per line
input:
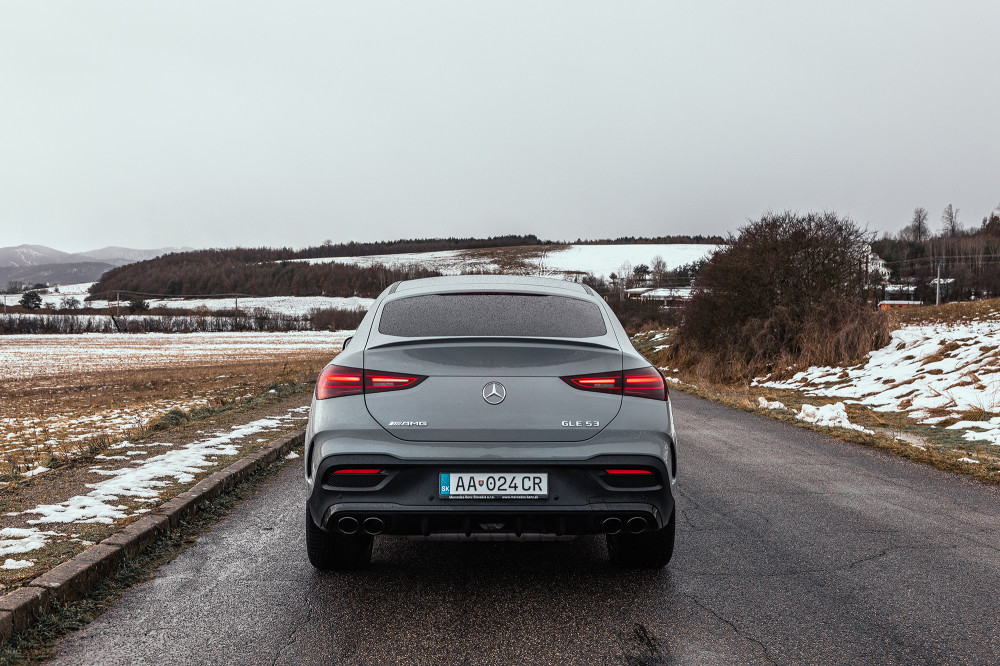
<point x="70" y="580"/>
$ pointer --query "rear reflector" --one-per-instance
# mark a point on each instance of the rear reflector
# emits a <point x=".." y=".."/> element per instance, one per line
<point x="337" y="381"/>
<point x="376" y="382"/>
<point x="602" y="382"/>
<point x="628" y="471"/>
<point x="639" y="383"/>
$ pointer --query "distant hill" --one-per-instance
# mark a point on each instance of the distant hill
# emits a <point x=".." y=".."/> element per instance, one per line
<point x="24" y="256"/>
<point x="31" y="264"/>
<point x="84" y="271"/>
<point x="119" y="256"/>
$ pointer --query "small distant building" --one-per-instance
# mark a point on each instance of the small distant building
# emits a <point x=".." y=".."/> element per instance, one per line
<point x="876" y="264"/>
<point x="637" y="292"/>
<point x="669" y="297"/>
<point x="893" y="305"/>
<point x="900" y="291"/>
<point x="947" y="284"/>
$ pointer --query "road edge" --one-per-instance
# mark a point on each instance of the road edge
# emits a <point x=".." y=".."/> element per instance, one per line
<point x="70" y="580"/>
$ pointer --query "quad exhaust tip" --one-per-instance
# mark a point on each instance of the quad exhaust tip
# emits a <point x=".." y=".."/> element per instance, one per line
<point x="612" y="525"/>
<point x="636" y="524"/>
<point x="373" y="525"/>
<point x="348" y="525"/>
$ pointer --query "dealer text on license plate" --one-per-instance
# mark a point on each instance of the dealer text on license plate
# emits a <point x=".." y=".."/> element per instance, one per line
<point x="494" y="486"/>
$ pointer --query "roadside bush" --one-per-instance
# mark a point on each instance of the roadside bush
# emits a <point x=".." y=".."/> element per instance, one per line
<point x="790" y="290"/>
<point x="332" y="319"/>
<point x="638" y="315"/>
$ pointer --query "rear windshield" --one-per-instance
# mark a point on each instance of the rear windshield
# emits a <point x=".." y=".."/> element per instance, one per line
<point x="491" y="314"/>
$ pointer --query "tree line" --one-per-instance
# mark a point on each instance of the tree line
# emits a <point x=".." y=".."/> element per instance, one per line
<point x="206" y="272"/>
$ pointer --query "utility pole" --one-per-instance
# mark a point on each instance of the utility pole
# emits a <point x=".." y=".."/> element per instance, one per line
<point x="118" y="297"/>
<point x="938" y="282"/>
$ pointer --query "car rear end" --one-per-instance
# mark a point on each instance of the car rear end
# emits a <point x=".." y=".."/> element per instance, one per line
<point x="488" y="408"/>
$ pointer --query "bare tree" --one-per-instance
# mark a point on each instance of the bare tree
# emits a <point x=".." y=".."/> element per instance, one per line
<point x="658" y="268"/>
<point x="949" y="221"/>
<point x="917" y="229"/>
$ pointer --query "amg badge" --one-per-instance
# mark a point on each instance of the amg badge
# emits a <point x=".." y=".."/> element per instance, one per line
<point x="407" y="423"/>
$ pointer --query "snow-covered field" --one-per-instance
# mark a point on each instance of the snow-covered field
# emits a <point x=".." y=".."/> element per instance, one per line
<point x="601" y="260"/>
<point x="945" y="373"/>
<point x="290" y="305"/>
<point x="30" y="356"/>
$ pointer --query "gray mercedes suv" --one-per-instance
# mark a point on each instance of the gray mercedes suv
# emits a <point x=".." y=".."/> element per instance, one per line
<point x="490" y="408"/>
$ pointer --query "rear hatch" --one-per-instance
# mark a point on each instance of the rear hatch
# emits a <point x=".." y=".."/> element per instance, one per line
<point x="485" y="390"/>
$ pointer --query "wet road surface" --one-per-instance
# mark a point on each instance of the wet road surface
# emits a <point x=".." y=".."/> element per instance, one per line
<point x="792" y="547"/>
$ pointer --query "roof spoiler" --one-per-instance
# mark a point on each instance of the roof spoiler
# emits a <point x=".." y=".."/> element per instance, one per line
<point x="402" y="342"/>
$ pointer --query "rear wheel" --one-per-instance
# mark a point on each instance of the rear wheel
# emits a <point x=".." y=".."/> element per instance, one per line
<point x="648" y="550"/>
<point x="331" y="551"/>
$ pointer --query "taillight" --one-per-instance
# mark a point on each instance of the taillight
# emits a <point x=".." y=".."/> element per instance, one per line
<point x="602" y="382"/>
<point x="639" y="383"/>
<point x="337" y="381"/>
<point x="645" y="383"/>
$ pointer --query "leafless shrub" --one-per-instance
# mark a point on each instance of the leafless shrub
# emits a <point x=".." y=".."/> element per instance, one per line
<point x="789" y="291"/>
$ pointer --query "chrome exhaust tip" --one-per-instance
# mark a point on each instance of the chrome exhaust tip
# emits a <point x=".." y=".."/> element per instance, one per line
<point x="612" y="525"/>
<point x="348" y="525"/>
<point x="373" y="525"/>
<point x="636" y="525"/>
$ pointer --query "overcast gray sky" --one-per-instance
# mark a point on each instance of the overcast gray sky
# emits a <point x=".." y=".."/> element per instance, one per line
<point x="209" y="124"/>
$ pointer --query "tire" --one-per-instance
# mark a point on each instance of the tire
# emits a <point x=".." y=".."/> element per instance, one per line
<point x="331" y="551"/>
<point x="648" y="550"/>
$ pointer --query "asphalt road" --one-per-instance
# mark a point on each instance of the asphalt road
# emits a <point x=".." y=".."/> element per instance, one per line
<point x="792" y="548"/>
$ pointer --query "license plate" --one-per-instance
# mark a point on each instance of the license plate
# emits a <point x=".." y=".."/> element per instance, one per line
<point x="507" y="485"/>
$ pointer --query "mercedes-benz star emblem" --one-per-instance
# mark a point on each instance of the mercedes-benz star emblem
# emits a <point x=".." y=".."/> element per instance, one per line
<point x="494" y="393"/>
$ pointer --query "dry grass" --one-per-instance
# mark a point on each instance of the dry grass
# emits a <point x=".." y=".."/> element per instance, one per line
<point x="947" y="313"/>
<point x="942" y="353"/>
<point x="72" y="406"/>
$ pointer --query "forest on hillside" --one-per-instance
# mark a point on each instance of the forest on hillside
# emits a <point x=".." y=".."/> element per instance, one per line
<point x="217" y="272"/>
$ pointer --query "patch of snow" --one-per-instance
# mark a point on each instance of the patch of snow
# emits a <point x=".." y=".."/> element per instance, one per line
<point x="764" y="404"/>
<point x="292" y="455"/>
<point x="968" y="460"/>
<point x="15" y="540"/>
<point x="17" y="564"/>
<point x="828" y="415"/>
<point x="924" y="370"/>
<point x="992" y="436"/>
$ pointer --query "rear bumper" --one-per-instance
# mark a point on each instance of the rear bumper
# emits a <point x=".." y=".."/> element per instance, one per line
<point x="405" y="500"/>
